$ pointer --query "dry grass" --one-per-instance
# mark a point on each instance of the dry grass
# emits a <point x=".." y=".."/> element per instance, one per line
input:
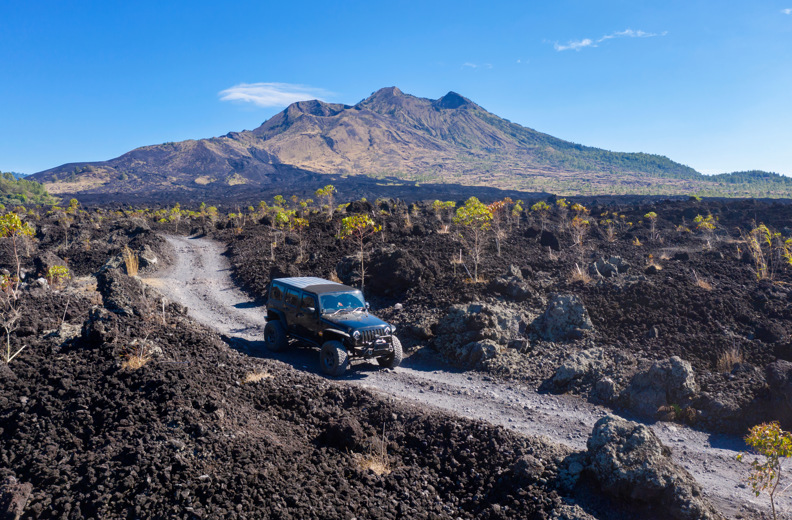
<point x="665" y="255"/>
<point x="701" y="282"/>
<point x="579" y="275"/>
<point x="376" y="460"/>
<point x="704" y="284"/>
<point x="728" y="359"/>
<point x="334" y="277"/>
<point x="135" y="361"/>
<point x="255" y="377"/>
<point x="130" y="261"/>
<point x="636" y="242"/>
<point x="375" y="464"/>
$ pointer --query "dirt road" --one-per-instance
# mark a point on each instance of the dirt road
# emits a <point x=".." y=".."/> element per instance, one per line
<point x="200" y="279"/>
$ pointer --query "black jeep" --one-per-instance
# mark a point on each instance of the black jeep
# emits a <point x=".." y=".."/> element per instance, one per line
<point x="331" y="316"/>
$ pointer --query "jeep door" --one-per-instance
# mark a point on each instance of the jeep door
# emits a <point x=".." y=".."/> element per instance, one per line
<point x="291" y="300"/>
<point x="307" y="317"/>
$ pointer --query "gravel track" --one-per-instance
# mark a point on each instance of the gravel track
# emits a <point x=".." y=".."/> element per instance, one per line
<point x="200" y="279"/>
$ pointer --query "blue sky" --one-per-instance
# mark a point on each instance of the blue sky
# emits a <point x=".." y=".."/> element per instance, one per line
<point x="706" y="83"/>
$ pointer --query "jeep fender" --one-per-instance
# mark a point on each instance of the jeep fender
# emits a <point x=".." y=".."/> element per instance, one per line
<point x="275" y="315"/>
<point x="335" y="331"/>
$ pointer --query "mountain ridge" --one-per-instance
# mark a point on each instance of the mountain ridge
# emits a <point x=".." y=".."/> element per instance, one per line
<point x="389" y="134"/>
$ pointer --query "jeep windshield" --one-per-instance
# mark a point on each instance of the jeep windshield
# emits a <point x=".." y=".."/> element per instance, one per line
<point x="332" y="303"/>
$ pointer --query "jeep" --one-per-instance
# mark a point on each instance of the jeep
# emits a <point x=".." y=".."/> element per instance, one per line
<point x="331" y="316"/>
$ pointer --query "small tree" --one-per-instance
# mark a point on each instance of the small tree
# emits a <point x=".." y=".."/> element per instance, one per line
<point x="774" y="444"/>
<point x="542" y="210"/>
<point x="10" y="314"/>
<point x="11" y="226"/>
<point x="300" y="225"/>
<point x="441" y="210"/>
<point x="57" y="274"/>
<point x="358" y="228"/>
<point x="474" y="221"/>
<point x="516" y="212"/>
<point x="706" y="225"/>
<point x="499" y="212"/>
<point x="326" y="194"/>
<point x="652" y="218"/>
<point x="579" y="227"/>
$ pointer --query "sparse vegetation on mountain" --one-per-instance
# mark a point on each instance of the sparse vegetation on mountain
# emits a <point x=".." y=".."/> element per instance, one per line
<point x="15" y="190"/>
<point x="398" y="137"/>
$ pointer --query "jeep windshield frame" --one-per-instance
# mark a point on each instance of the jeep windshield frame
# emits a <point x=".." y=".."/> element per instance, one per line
<point x="333" y="302"/>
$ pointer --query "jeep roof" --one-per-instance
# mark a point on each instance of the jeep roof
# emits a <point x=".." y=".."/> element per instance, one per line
<point x="313" y="284"/>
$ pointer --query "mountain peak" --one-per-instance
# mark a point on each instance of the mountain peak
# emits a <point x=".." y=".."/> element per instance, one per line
<point x="314" y="107"/>
<point x="452" y="100"/>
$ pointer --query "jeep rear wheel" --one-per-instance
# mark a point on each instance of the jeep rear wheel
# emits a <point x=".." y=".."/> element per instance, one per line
<point x="333" y="358"/>
<point x="275" y="336"/>
<point x="393" y="359"/>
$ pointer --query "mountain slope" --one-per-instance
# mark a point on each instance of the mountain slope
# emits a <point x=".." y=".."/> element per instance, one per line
<point x="388" y="134"/>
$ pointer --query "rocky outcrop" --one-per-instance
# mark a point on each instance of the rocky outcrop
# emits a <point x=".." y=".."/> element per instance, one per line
<point x="609" y="267"/>
<point x="668" y="382"/>
<point x="394" y="271"/>
<point x="470" y="334"/>
<point x="629" y="462"/>
<point x="779" y="382"/>
<point x="121" y="294"/>
<point x="579" y="365"/>
<point x="13" y="498"/>
<point x="513" y="286"/>
<point x="565" y="318"/>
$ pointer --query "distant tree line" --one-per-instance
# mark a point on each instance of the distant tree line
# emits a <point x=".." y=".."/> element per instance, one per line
<point x="22" y="191"/>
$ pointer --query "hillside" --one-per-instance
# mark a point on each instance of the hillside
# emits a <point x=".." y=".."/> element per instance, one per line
<point x="450" y="140"/>
<point x="15" y="190"/>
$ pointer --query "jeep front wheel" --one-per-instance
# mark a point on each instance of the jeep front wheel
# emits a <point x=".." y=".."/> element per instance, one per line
<point x="393" y="359"/>
<point x="333" y="359"/>
<point x="275" y="336"/>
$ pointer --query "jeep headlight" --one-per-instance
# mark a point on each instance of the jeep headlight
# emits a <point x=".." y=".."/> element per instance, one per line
<point x="356" y="335"/>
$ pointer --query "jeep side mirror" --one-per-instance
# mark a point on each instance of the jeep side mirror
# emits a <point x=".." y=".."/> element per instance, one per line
<point x="368" y="305"/>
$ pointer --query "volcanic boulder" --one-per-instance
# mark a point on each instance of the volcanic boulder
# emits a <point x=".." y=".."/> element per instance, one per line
<point x="470" y="334"/>
<point x="13" y="498"/>
<point x="580" y="364"/>
<point x="565" y="318"/>
<point x="609" y="268"/>
<point x="671" y="381"/>
<point x="514" y="286"/>
<point x="393" y="271"/>
<point x="631" y="463"/>
<point x="779" y="381"/>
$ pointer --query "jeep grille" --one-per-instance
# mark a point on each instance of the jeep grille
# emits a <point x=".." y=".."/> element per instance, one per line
<point x="372" y="334"/>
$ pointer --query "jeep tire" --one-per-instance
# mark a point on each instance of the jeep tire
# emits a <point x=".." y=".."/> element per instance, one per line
<point x="393" y="359"/>
<point x="333" y="359"/>
<point x="275" y="336"/>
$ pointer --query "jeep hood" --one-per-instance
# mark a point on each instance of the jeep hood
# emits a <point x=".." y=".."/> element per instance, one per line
<point x="354" y="320"/>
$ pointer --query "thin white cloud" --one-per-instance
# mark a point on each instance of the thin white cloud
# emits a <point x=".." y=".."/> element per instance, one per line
<point x="786" y="11"/>
<point x="588" y="42"/>
<point x="471" y="65"/>
<point x="575" y="46"/>
<point x="271" y="94"/>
